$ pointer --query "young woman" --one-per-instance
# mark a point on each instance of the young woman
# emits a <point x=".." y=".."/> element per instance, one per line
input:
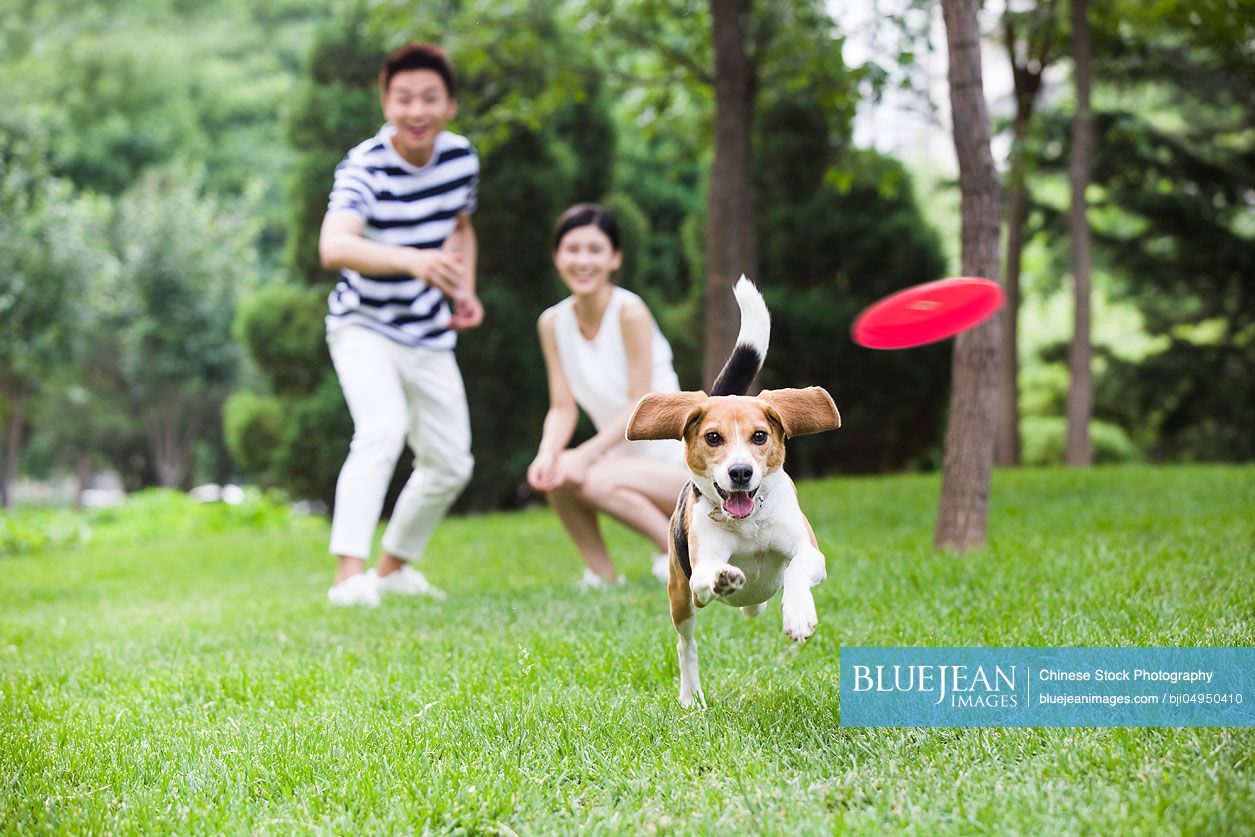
<point x="603" y="352"/>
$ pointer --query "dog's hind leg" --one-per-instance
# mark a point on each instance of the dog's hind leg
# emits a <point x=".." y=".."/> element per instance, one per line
<point x="686" y="648"/>
<point x="751" y="611"/>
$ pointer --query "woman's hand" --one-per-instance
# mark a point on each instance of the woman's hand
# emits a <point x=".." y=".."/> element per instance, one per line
<point x="573" y="465"/>
<point x="542" y="474"/>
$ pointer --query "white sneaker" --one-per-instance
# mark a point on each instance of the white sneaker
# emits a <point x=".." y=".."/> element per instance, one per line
<point x="592" y="581"/>
<point x="357" y="589"/>
<point x="406" y="581"/>
<point x="662" y="567"/>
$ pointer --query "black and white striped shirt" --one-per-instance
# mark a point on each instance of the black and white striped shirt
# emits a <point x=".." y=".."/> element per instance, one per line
<point x="410" y="206"/>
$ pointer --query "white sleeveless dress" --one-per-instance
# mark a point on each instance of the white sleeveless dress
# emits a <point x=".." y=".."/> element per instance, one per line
<point x="597" y="371"/>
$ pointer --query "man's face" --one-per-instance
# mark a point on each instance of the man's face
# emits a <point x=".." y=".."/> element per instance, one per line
<point x="418" y="104"/>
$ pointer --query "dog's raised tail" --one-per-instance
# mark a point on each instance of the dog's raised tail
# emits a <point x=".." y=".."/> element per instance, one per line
<point x="751" y="342"/>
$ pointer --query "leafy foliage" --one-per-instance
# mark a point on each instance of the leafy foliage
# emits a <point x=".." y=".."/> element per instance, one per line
<point x="335" y="108"/>
<point x="817" y="276"/>
<point x="1175" y="222"/>
<point x="1046" y="436"/>
<point x="119" y="90"/>
<point x="53" y="240"/>
<point x="281" y="326"/>
<point x="524" y="187"/>
<point x="181" y="254"/>
<point x="255" y="101"/>
<point x="273" y="434"/>
<point x="253" y="426"/>
<point x="313" y="444"/>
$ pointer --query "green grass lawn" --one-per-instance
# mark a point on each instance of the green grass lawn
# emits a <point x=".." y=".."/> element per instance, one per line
<point x="186" y="675"/>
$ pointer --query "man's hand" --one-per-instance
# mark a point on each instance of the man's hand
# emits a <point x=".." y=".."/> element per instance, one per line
<point x="467" y="313"/>
<point x="442" y="269"/>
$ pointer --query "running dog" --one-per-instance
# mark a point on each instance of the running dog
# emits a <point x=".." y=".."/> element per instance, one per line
<point x="738" y="534"/>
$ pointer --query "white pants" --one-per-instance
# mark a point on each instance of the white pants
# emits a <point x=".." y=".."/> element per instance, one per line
<point x="397" y="393"/>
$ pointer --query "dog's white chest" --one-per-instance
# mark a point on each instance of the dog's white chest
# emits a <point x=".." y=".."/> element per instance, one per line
<point x="764" y="574"/>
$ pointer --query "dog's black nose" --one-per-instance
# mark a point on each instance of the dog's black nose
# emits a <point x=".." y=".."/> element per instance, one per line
<point x="740" y="475"/>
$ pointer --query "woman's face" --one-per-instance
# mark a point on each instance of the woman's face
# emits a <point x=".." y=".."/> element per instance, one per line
<point x="585" y="258"/>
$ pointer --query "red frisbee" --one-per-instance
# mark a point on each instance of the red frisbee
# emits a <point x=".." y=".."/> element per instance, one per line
<point x="927" y="313"/>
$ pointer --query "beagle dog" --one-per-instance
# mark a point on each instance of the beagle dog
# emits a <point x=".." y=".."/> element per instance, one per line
<point x="738" y="533"/>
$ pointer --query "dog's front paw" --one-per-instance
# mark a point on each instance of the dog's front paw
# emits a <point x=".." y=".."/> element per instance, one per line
<point x="800" y="618"/>
<point x="727" y="581"/>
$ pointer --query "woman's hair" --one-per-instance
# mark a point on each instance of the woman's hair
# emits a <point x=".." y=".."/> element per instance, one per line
<point x="586" y="215"/>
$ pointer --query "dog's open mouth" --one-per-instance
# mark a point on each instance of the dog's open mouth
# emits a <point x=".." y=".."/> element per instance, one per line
<point x="737" y="504"/>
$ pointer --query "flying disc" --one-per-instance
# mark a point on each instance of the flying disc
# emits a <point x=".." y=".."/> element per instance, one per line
<point x="927" y="313"/>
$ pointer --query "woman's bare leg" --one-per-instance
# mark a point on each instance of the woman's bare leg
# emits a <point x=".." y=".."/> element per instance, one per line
<point x="580" y="520"/>
<point x="638" y="492"/>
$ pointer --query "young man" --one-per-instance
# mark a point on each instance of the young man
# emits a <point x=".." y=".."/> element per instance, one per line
<point x="398" y="227"/>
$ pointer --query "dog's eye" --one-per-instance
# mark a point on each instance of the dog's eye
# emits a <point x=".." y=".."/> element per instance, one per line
<point x="714" y="439"/>
<point x="759" y="437"/>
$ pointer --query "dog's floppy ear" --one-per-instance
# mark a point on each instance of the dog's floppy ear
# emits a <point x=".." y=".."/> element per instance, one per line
<point x="663" y="415"/>
<point x="803" y="411"/>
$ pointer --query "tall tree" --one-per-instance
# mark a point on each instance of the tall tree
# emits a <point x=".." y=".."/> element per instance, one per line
<point x="1027" y="38"/>
<point x="731" y="241"/>
<point x="963" y="512"/>
<point x="1174" y="171"/>
<point x="1177" y="176"/>
<point x="731" y="50"/>
<point x="52" y="240"/>
<point x="184" y="256"/>
<point x="1080" y="354"/>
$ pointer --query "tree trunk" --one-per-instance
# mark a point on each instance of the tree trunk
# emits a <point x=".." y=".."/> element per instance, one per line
<point x="1007" y="442"/>
<point x="171" y="450"/>
<point x="1027" y="67"/>
<point x="83" y="475"/>
<point x="963" y="511"/>
<point x="1081" y="390"/>
<point x="161" y="447"/>
<point x="12" y="447"/>
<point x="731" y="243"/>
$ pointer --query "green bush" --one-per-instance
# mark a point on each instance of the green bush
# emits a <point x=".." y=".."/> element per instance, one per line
<point x="1044" y="438"/>
<point x="143" y="516"/>
<point x="159" y="512"/>
<point x="315" y="441"/>
<point x="282" y="327"/>
<point x="838" y="231"/>
<point x="32" y="530"/>
<point x="295" y="438"/>
<point x="253" y="428"/>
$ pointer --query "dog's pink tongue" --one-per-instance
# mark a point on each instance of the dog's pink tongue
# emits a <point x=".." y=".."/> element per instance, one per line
<point x="739" y="504"/>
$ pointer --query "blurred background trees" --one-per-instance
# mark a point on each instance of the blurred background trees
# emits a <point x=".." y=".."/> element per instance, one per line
<point x="164" y="168"/>
<point x="1173" y="224"/>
